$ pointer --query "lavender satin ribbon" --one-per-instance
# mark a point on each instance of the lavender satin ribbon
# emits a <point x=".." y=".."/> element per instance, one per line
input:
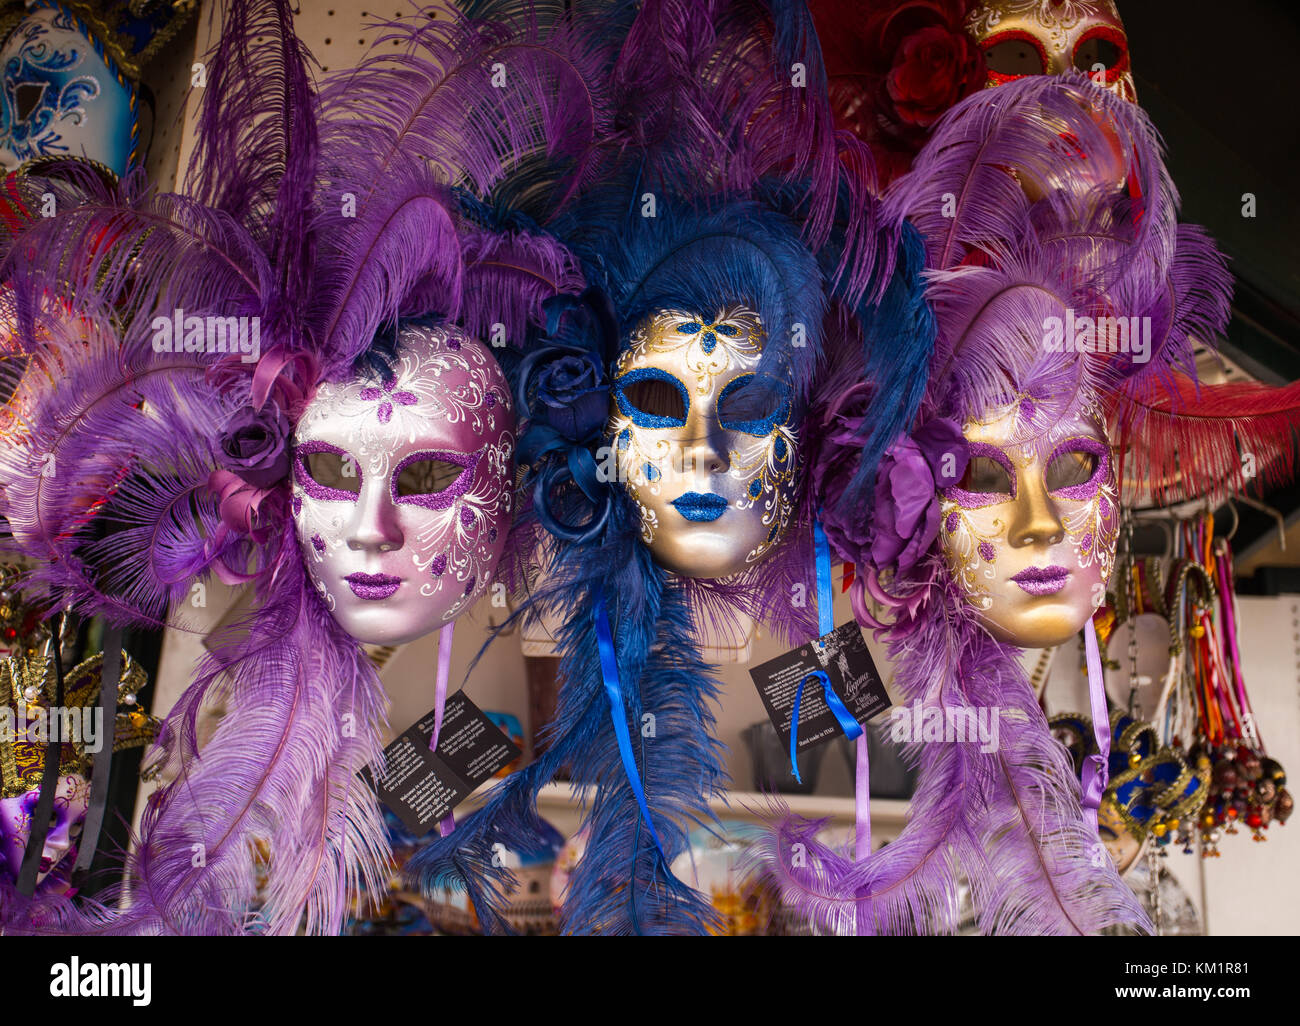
<point x="826" y="624"/>
<point x="445" y="635"/>
<point x="1096" y="767"/>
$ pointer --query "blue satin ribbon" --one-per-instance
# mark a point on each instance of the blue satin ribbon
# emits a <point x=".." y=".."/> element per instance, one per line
<point x="614" y="692"/>
<point x="825" y="592"/>
<point x="825" y="625"/>
<point x="851" y="727"/>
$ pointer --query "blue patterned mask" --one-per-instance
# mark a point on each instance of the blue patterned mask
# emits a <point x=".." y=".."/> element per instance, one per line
<point x="61" y="96"/>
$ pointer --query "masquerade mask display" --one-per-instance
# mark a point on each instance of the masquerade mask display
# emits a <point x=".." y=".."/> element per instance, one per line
<point x="62" y="96"/>
<point x="402" y="487"/>
<point x="705" y="448"/>
<point x="1051" y="37"/>
<point x="1029" y="533"/>
<point x="30" y="717"/>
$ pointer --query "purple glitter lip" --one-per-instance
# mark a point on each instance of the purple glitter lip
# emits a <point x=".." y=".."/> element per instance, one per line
<point x="701" y="507"/>
<point x="373" y="586"/>
<point x="1043" y="580"/>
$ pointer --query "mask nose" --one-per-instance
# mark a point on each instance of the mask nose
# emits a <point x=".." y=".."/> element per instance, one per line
<point x="706" y="449"/>
<point x="374" y="526"/>
<point x="1035" y="521"/>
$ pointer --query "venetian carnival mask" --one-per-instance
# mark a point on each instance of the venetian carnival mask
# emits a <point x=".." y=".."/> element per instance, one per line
<point x="61" y="96"/>
<point x="704" y="447"/>
<point x="402" y="487"/>
<point x="30" y="722"/>
<point x="71" y="800"/>
<point x="1029" y="533"/>
<point x="1051" y="37"/>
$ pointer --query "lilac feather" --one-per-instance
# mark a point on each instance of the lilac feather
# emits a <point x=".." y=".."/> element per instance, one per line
<point x="305" y="715"/>
<point x="1009" y="820"/>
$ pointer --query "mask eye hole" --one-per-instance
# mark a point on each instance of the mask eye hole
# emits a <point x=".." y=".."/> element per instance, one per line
<point x="433" y="479"/>
<point x="27" y="97"/>
<point x="1075" y="469"/>
<point x="986" y="476"/>
<point x="1102" y="46"/>
<point x="426" y="477"/>
<point x="753" y="405"/>
<point x="326" y="472"/>
<point x="1012" y="55"/>
<point x="652" y="398"/>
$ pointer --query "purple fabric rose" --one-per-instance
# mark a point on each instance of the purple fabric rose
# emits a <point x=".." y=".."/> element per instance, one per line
<point x="254" y="445"/>
<point x="570" y="392"/>
<point x="905" y="517"/>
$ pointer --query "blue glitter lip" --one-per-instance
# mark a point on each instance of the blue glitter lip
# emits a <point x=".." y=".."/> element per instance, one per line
<point x="700" y="506"/>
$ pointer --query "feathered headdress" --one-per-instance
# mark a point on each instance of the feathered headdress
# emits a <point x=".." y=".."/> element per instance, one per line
<point x="722" y="182"/>
<point x="322" y="218"/>
<point x="1043" y="199"/>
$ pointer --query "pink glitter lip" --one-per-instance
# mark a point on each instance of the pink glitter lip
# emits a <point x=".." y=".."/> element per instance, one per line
<point x="1043" y="580"/>
<point x="372" y="586"/>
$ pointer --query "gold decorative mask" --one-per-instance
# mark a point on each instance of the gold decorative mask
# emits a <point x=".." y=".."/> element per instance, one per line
<point x="704" y="446"/>
<point x="1029" y="533"/>
<point x="1050" y="37"/>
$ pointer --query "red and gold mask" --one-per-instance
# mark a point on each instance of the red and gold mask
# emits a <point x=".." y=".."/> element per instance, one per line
<point x="1051" y="37"/>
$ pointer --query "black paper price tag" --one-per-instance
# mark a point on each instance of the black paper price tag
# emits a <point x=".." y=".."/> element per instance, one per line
<point x="844" y="657"/>
<point x="423" y="787"/>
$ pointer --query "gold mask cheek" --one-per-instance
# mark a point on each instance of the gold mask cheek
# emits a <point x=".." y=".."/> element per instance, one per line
<point x="639" y="453"/>
<point x="766" y="468"/>
<point x="971" y="538"/>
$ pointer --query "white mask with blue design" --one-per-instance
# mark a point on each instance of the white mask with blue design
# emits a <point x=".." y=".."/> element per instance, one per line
<point x="63" y="96"/>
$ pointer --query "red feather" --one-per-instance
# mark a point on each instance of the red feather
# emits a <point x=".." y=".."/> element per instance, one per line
<point x="1191" y="442"/>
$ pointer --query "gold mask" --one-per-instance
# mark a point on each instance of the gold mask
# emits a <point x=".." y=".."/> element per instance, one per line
<point x="1029" y="533"/>
<point x="1051" y="37"/>
<point x="703" y="445"/>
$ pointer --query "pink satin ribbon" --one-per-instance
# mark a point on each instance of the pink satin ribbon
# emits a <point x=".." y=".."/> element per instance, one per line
<point x="445" y="635"/>
<point x="1096" y="767"/>
<point x="862" y="817"/>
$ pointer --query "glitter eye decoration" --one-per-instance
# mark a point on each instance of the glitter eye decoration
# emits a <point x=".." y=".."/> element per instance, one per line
<point x="1102" y="46"/>
<point x="753" y="405"/>
<point x="433" y="479"/>
<point x="652" y="398"/>
<point x="1012" y="55"/>
<point x="1075" y="469"/>
<point x="989" y="477"/>
<point x="327" y="472"/>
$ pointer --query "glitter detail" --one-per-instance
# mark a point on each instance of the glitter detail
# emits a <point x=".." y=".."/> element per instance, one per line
<point x="950" y="525"/>
<point x="318" y="543"/>
<point x="467" y="516"/>
<point x="987" y="552"/>
<point x="470" y="585"/>
<point x="438" y="565"/>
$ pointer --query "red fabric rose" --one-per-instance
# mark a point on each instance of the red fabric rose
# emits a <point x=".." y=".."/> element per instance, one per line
<point x="933" y="69"/>
<point x="894" y="67"/>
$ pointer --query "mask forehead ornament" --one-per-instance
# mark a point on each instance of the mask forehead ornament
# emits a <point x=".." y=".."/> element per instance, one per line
<point x="402" y="487"/>
<point x="1051" y="37"/>
<point x="704" y="445"/>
